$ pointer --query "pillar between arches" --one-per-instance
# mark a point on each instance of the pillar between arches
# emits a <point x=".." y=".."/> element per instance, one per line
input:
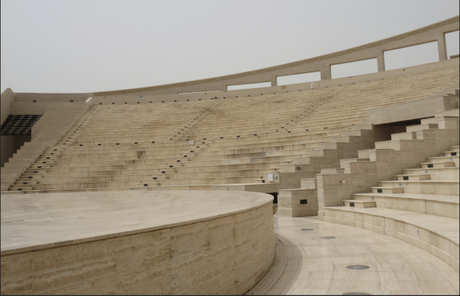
<point x="442" y="49"/>
<point x="380" y="62"/>
<point x="326" y="72"/>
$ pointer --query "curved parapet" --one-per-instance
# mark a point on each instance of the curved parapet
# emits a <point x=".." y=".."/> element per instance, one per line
<point x="374" y="50"/>
<point x="219" y="86"/>
<point x="172" y="242"/>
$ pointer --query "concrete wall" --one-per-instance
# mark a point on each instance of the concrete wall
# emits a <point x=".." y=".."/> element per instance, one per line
<point x="206" y="89"/>
<point x="7" y="98"/>
<point x="26" y="108"/>
<point x="52" y="97"/>
<point x="375" y="50"/>
<point x="412" y="110"/>
<point x="10" y="144"/>
<point x="219" y="254"/>
<point x="143" y="98"/>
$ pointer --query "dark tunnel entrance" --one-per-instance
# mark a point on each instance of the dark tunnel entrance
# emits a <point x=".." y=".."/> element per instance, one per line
<point x="275" y="197"/>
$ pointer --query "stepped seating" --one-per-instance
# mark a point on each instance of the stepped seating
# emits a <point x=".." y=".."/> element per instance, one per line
<point x="419" y="205"/>
<point x="319" y="124"/>
<point x="43" y="165"/>
<point x="405" y="192"/>
<point x="46" y="133"/>
<point x="235" y="141"/>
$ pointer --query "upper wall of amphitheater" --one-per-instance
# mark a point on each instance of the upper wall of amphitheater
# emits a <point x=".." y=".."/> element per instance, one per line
<point x="207" y="88"/>
<point x="375" y="50"/>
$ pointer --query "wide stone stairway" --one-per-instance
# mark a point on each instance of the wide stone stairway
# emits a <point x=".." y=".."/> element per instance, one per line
<point x="419" y="206"/>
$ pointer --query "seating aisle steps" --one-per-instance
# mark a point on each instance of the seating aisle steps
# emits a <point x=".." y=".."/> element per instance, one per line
<point x="46" y="133"/>
<point x="420" y="206"/>
<point x="234" y="141"/>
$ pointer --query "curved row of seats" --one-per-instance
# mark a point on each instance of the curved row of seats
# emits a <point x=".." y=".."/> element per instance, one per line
<point x="234" y="140"/>
<point x="420" y="206"/>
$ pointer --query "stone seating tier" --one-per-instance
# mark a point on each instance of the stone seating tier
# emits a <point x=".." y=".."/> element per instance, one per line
<point x="420" y="206"/>
<point x="287" y="127"/>
<point x="434" y="234"/>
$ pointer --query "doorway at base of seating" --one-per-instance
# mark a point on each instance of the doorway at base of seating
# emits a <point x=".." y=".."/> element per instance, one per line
<point x="275" y="197"/>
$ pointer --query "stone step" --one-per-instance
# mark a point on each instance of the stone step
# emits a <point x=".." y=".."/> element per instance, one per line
<point x="433" y="204"/>
<point x="444" y="164"/>
<point x="450" y="173"/>
<point x="435" y="234"/>
<point x="433" y="159"/>
<point x="447" y="187"/>
<point x="359" y="203"/>
<point x="398" y="145"/>
<point x="419" y="127"/>
<point x="412" y="177"/>
<point x="384" y="189"/>
<point x="450" y="153"/>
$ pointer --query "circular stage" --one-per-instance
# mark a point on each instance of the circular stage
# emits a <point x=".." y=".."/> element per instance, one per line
<point x="136" y="242"/>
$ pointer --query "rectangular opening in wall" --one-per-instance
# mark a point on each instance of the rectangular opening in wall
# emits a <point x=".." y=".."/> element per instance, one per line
<point x="198" y="92"/>
<point x="354" y="68"/>
<point x="411" y="56"/>
<point x="248" y="86"/>
<point x="298" y="78"/>
<point x="452" y="43"/>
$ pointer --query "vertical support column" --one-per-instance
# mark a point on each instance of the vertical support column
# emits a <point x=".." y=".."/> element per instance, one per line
<point x="326" y="72"/>
<point x="442" y="49"/>
<point x="380" y="62"/>
<point x="274" y="81"/>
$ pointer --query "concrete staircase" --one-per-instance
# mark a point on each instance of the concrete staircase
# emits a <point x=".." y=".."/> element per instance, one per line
<point x="419" y="200"/>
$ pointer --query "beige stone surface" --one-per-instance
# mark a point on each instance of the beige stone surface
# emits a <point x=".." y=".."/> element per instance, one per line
<point x="136" y="242"/>
<point x="374" y="50"/>
<point x="435" y="234"/>
<point x="141" y="242"/>
<point x="311" y="265"/>
<point x="101" y="152"/>
<point x="412" y="110"/>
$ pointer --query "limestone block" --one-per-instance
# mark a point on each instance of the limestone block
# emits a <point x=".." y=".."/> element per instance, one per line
<point x="403" y="136"/>
<point x="308" y="183"/>
<point x="442" y="209"/>
<point x="141" y="259"/>
<point x="454" y="250"/>
<point x="18" y="274"/>
<point x="226" y="255"/>
<point x="59" y="270"/>
<point x="454" y="263"/>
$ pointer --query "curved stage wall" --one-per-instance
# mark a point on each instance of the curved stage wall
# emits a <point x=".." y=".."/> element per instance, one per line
<point x="136" y="242"/>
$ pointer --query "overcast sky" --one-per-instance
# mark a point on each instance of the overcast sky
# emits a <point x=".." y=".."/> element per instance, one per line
<point x="99" y="45"/>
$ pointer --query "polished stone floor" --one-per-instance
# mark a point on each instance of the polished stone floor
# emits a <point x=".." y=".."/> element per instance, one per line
<point x="309" y="263"/>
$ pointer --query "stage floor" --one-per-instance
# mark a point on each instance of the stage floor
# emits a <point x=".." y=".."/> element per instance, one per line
<point x="38" y="221"/>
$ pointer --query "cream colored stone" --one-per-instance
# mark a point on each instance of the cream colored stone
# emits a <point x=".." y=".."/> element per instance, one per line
<point x="192" y="257"/>
<point x="142" y="253"/>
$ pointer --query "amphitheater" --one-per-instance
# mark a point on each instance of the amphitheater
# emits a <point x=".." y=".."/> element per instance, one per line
<point x="347" y="185"/>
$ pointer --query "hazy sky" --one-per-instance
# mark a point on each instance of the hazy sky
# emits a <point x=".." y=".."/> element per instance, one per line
<point x="98" y="45"/>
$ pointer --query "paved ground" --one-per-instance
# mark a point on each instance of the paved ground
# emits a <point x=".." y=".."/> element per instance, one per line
<point x="306" y="263"/>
